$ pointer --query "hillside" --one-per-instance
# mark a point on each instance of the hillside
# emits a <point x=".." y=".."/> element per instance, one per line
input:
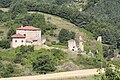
<point x="107" y="10"/>
<point x="24" y="59"/>
<point x="59" y="21"/>
<point x="62" y="23"/>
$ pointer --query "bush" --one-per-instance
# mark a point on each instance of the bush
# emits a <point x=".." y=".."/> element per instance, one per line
<point x="10" y="33"/>
<point x="90" y="62"/>
<point x="18" y="8"/>
<point x="5" y="3"/>
<point x="44" y="64"/>
<point x="65" y="35"/>
<point x="53" y="43"/>
<point x="59" y="56"/>
<point x="5" y="44"/>
<point x="18" y="58"/>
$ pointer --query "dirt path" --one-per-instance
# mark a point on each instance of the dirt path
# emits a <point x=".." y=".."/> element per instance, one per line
<point x="70" y="74"/>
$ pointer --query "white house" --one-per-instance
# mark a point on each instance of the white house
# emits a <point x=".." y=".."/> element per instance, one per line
<point x="27" y="35"/>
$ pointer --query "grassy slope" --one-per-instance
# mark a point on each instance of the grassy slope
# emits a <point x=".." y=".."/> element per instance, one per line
<point x="62" y="23"/>
<point x="89" y="41"/>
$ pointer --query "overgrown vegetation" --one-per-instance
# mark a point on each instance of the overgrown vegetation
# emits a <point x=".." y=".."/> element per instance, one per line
<point x="65" y="35"/>
<point x="111" y="73"/>
<point x="36" y="61"/>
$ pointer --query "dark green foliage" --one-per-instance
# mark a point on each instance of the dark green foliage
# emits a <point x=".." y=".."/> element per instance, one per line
<point x="59" y="56"/>
<point x="61" y="2"/>
<point x="1" y="68"/>
<point x="91" y="3"/>
<point x="5" y="3"/>
<point x="8" y="70"/>
<point x="110" y="35"/>
<point x="1" y="32"/>
<point x="108" y="32"/>
<point x="19" y="58"/>
<point x="72" y="35"/>
<point x="44" y="64"/>
<point x="26" y="49"/>
<point x="4" y="17"/>
<point x="33" y="20"/>
<point x="10" y="33"/>
<point x="110" y="74"/>
<point x="107" y="9"/>
<point x="118" y="43"/>
<point x="92" y="62"/>
<point x="22" y="52"/>
<point x="65" y="35"/>
<point x="5" y="44"/>
<point x="18" y="8"/>
<point x="108" y="52"/>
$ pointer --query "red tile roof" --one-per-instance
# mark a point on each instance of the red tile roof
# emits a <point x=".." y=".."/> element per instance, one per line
<point x="28" y="28"/>
<point x="18" y="36"/>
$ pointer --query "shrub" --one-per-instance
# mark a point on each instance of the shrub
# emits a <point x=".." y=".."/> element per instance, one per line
<point x="44" y="64"/>
<point x="5" y="44"/>
<point x="65" y="35"/>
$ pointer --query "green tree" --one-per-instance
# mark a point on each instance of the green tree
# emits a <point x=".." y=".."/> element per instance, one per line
<point x="5" y="3"/>
<point x="92" y="62"/>
<point x="44" y="64"/>
<point x="118" y="43"/>
<point x="65" y="35"/>
<point x="37" y="20"/>
<point x="1" y="69"/>
<point x="18" y="8"/>
<point x="110" y="74"/>
<point x="60" y="2"/>
<point x="18" y="58"/>
<point x="9" y="71"/>
<point x="10" y="33"/>
<point x="5" y="44"/>
<point x="59" y="56"/>
<point x="26" y="49"/>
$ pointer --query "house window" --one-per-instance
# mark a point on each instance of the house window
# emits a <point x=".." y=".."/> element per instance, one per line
<point x="72" y="49"/>
<point x="35" y="40"/>
<point x="15" y="40"/>
<point x="22" y="41"/>
<point x="24" y="34"/>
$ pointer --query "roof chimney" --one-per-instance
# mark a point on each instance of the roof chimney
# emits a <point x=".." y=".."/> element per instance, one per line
<point x="21" y="26"/>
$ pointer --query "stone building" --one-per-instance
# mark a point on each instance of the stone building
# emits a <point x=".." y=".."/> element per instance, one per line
<point x="81" y="46"/>
<point x="27" y="35"/>
<point x="72" y="45"/>
<point x="99" y="39"/>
